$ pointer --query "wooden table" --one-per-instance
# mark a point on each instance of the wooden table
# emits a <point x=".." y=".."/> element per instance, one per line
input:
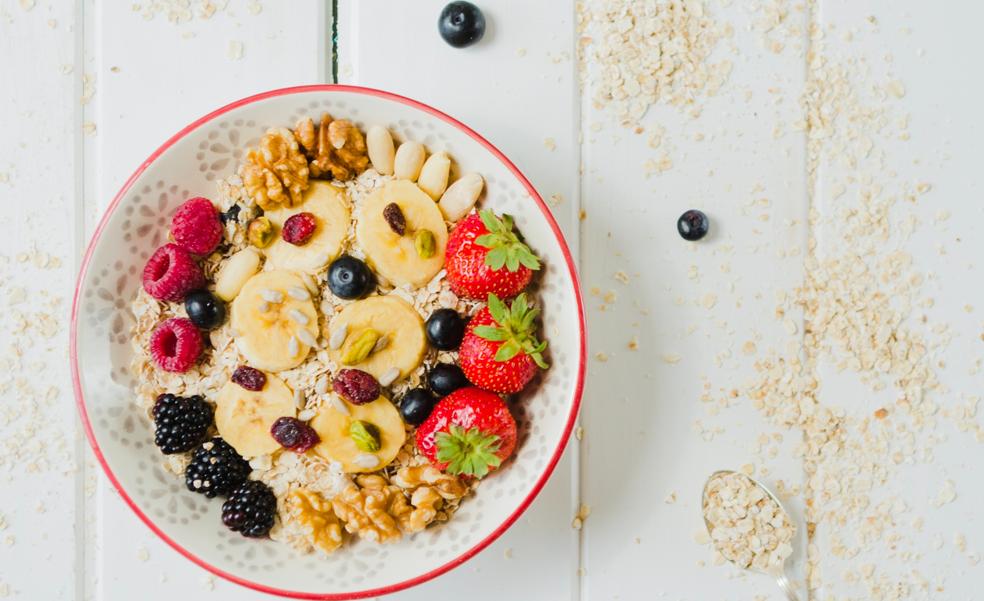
<point x="649" y="440"/>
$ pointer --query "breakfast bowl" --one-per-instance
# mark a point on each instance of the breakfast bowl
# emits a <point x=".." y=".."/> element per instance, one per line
<point x="106" y="344"/>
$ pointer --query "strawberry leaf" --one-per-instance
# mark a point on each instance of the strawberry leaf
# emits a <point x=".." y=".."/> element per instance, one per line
<point x="507" y="351"/>
<point x="498" y="309"/>
<point x="492" y="333"/>
<point x="505" y="247"/>
<point x="468" y="452"/>
<point x="490" y="221"/>
<point x="497" y="257"/>
<point x="514" y="329"/>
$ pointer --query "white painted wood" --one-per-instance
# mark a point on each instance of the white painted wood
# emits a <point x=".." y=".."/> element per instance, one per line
<point x="639" y="443"/>
<point x="649" y="440"/>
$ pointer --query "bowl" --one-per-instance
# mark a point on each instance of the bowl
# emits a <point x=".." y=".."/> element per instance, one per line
<point x="189" y="164"/>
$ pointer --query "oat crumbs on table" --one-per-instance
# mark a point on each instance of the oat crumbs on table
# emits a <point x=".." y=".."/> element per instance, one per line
<point x="285" y="337"/>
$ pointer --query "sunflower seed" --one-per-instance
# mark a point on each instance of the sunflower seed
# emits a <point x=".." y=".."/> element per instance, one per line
<point x="338" y="405"/>
<point x="298" y="316"/>
<point x="293" y="347"/>
<point x="321" y="386"/>
<point x="382" y="343"/>
<point x="389" y="376"/>
<point x="272" y="296"/>
<point x="298" y="293"/>
<point x="306" y="415"/>
<point x="338" y="337"/>
<point x="307" y="338"/>
<point x="366" y="461"/>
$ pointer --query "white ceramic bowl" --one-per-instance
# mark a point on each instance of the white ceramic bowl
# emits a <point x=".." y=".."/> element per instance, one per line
<point x="136" y="223"/>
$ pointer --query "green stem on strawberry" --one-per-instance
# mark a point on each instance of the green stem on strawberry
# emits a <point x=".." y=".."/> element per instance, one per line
<point x="514" y="330"/>
<point x="505" y="247"/>
<point x="468" y="452"/>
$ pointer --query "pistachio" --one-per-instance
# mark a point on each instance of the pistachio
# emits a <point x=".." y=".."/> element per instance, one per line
<point x="425" y="244"/>
<point x="393" y="215"/>
<point x="260" y="232"/>
<point x="379" y="143"/>
<point x="364" y="435"/>
<point x="408" y="161"/>
<point x="360" y="348"/>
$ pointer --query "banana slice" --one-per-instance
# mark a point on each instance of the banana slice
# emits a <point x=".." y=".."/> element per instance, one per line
<point x="337" y="443"/>
<point x="274" y="320"/>
<point x="330" y="207"/>
<point x="394" y="256"/>
<point x="244" y="417"/>
<point x="394" y="321"/>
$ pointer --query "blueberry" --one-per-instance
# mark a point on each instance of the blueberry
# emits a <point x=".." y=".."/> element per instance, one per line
<point x="461" y="24"/>
<point x="416" y="406"/>
<point x="204" y="310"/>
<point x="349" y="278"/>
<point x="445" y="378"/>
<point x="693" y="225"/>
<point x="445" y="329"/>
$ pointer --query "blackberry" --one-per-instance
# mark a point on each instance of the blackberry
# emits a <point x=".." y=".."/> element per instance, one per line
<point x="216" y="469"/>
<point x="250" y="510"/>
<point x="180" y="422"/>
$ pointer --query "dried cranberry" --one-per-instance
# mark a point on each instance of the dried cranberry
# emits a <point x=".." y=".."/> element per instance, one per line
<point x="293" y="434"/>
<point x="356" y="386"/>
<point x="249" y="378"/>
<point x="299" y="228"/>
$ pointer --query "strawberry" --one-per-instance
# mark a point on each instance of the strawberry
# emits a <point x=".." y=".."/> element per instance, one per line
<point x="469" y="432"/>
<point x="485" y="256"/>
<point x="500" y="351"/>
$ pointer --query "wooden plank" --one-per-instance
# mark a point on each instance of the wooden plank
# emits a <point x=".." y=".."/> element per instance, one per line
<point x="655" y="427"/>
<point x="151" y="78"/>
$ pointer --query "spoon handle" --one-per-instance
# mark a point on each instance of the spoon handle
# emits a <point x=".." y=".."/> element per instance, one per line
<point x="785" y="585"/>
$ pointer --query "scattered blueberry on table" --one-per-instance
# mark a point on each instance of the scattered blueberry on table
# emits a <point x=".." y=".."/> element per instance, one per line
<point x="461" y="24"/>
<point x="693" y="225"/>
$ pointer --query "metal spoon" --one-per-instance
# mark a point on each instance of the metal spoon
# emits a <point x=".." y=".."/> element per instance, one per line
<point x="778" y="572"/>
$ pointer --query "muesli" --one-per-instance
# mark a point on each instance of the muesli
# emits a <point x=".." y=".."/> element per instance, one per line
<point x="327" y="345"/>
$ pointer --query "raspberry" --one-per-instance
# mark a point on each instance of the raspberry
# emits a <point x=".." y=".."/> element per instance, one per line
<point x="293" y="434"/>
<point x="171" y="273"/>
<point x="356" y="386"/>
<point x="251" y="509"/>
<point x="176" y="344"/>
<point x="299" y="228"/>
<point x="249" y="378"/>
<point x="196" y="226"/>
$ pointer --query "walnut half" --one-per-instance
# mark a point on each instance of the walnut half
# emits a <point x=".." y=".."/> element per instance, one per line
<point x="276" y="172"/>
<point x="373" y="509"/>
<point x="315" y="514"/>
<point x="335" y="148"/>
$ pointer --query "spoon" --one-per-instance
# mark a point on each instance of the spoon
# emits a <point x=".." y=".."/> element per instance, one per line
<point x="777" y="572"/>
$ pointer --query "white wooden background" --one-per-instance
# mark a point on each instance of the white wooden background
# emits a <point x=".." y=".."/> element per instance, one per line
<point x="89" y="89"/>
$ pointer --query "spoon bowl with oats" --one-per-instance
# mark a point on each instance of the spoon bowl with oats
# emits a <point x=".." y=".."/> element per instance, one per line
<point x="748" y="525"/>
